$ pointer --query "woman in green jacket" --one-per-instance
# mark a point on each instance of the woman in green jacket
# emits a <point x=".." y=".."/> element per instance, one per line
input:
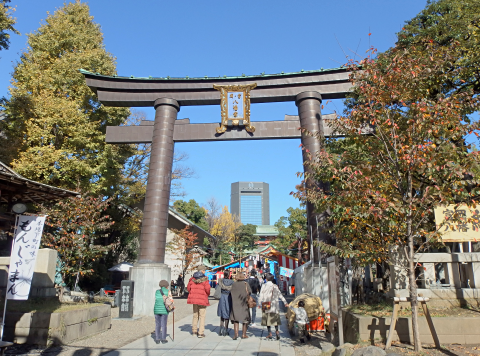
<point x="161" y="313"/>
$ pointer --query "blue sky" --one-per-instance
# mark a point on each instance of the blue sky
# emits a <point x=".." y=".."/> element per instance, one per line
<point x="198" y="38"/>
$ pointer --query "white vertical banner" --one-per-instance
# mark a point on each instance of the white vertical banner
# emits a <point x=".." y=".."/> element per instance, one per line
<point x="24" y="255"/>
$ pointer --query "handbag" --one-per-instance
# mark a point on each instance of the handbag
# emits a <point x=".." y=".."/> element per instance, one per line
<point x="250" y="301"/>
<point x="267" y="305"/>
<point x="218" y="292"/>
<point x="168" y="302"/>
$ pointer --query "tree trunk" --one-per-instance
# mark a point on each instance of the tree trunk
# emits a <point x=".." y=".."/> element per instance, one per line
<point x="413" y="294"/>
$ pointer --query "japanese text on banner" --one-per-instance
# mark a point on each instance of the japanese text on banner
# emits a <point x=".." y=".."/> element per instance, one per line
<point x="24" y="255"/>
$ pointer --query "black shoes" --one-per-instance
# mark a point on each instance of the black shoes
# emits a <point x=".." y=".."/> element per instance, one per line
<point x="164" y="341"/>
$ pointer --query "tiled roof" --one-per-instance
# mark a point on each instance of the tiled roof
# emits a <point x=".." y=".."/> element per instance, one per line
<point x="243" y="76"/>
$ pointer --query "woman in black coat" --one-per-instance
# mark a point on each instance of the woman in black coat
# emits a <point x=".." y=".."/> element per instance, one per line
<point x="224" y="304"/>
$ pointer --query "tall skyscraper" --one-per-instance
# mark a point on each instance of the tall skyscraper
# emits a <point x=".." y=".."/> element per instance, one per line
<point x="251" y="202"/>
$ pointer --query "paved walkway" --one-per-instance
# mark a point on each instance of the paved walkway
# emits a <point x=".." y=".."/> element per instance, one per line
<point x="212" y="344"/>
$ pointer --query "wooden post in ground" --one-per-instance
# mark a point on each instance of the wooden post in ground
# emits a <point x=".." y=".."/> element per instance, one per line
<point x="396" y="306"/>
<point x="423" y="302"/>
<point x="393" y="322"/>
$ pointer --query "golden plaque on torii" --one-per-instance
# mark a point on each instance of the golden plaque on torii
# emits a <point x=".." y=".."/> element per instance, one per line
<point x="235" y="105"/>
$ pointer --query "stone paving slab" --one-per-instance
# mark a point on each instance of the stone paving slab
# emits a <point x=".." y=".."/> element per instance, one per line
<point x="212" y="344"/>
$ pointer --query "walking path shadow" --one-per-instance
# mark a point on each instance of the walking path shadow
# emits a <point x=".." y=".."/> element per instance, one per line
<point x="212" y="344"/>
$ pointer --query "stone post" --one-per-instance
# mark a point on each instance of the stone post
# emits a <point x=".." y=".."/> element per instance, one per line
<point x="150" y="268"/>
<point x="398" y="270"/>
<point x="309" y="111"/>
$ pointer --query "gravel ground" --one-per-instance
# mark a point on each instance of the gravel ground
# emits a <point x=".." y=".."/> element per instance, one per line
<point x="312" y="347"/>
<point x="428" y="350"/>
<point x="121" y="333"/>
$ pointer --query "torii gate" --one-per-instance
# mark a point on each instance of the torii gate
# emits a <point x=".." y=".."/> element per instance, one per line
<point x="167" y="95"/>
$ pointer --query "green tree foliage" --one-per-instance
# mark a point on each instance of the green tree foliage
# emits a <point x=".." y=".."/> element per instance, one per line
<point x="193" y="212"/>
<point x="77" y="228"/>
<point x="55" y="132"/>
<point x="55" y="126"/>
<point x="441" y="23"/>
<point x="7" y="21"/>
<point x="288" y="228"/>
<point x="244" y="237"/>
<point x="385" y="185"/>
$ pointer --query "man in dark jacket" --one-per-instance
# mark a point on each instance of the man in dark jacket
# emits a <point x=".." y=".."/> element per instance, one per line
<point x="198" y="293"/>
<point x="255" y="287"/>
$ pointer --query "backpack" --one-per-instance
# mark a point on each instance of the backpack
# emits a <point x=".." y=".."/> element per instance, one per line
<point x="169" y="305"/>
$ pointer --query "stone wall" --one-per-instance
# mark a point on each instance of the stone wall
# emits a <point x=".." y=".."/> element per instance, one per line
<point x="461" y="330"/>
<point x="56" y="328"/>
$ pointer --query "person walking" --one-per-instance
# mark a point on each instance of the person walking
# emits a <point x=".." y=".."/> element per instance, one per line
<point x="225" y="303"/>
<point x="198" y="293"/>
<point x="271" y="316"/>
<point x="255" y="287"/>
<point x="180" y="285"/>
<point x="161" y="313"/>
<point x="240" y="313"/>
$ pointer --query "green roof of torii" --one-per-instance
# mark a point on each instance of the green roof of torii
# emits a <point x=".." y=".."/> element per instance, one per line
<point x="243" y="76"/>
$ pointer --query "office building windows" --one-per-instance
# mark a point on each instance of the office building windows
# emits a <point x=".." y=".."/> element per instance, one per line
<point x="250" y="201"/>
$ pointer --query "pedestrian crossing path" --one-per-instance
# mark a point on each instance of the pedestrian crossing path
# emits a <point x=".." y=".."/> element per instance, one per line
<point x="213" y="344"/>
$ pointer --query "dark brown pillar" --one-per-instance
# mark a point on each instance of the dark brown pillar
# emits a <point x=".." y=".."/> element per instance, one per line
<point x="310" y="114"/>
<point x="155" y="214"/>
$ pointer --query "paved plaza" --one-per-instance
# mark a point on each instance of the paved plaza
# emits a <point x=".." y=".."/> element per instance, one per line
<point x="212" y="344"/>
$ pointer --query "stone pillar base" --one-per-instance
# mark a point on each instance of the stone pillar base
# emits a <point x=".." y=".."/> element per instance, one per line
<point x="315" y="281"/>
<point x="146" y="277"/>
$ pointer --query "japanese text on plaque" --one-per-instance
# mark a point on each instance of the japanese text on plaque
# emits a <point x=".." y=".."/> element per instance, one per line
<point x="235" y="105"/>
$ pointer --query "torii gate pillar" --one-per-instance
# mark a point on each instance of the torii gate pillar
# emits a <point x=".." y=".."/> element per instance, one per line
<point x="150" y="268"/>
<point x="155" y="214"/>
<point x="310" y="114"/>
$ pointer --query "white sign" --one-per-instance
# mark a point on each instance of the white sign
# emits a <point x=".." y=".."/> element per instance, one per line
<point x="24" y="255"/>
